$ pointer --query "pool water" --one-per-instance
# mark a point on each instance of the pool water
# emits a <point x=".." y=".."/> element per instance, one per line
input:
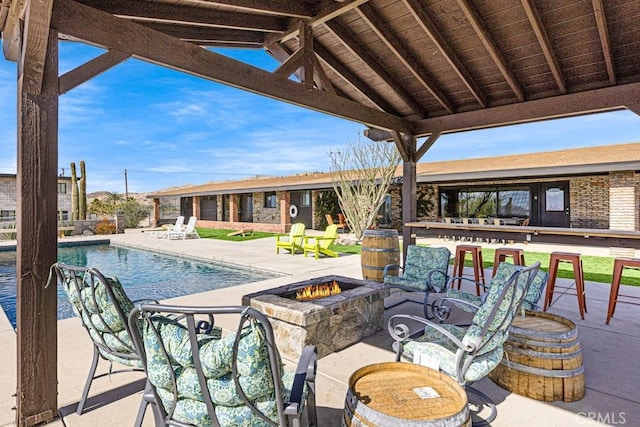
<point x="143" y="274"/>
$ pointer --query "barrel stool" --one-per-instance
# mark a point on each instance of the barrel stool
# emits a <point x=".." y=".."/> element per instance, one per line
<point x="476" y="258"/>
<point x="502" y="253"/>
<point x="618" y="267"/>
<point x="574" y="259"/>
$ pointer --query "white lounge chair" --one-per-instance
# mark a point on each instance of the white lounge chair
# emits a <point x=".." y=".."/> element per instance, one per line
<point x="162" y="233"/>
<point x="190" y="230"/>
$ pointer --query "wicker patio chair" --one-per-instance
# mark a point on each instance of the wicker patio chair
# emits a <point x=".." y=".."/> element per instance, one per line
<point x="103" y="306"/>
<point x="425" y="270"/>
<point x="184" y="353"/>
<point x="467" y="354"/>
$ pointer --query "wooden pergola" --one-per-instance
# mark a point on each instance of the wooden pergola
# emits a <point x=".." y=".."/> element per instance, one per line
<point x="408" y="69"/>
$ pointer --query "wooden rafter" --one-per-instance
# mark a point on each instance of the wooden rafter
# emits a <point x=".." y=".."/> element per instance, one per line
<point x="294" y="9"/>
<point x="208" y="35"/>
<point x="90" y="69"/>
<point x="352" y="80"/>
<point x="447" y="52"/>
<point x="348" y="39"/>
<point x="403" y="55"/>
<point x="573" y="104"/>
<point x="333" y="10"/>
<point x="174" y="13"/>
<point x="545" y="44"/>
<point x="105" y="30"/>
<point x="603" y="31"/>
<point x="489" y="44"/>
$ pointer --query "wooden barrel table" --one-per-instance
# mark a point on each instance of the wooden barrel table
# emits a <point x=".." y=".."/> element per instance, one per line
<point x="543" y="359"/>
<point x="379" y="248"/>
<point x="403" y="394"/>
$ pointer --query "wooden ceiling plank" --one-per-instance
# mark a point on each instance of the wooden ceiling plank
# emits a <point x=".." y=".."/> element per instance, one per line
<point x="427" y="144"/>
<point x="206" y="33"/>
<point x="489" y="44"/>
<point x="447" y="52"/>
<point x="354" y="81"/>
<point x="103" y="29"/>
<point x="572" y="104"/>
<point x="403" y="55"/>
<point x="34" y="44"/>
<point x="333" y="10"/>
<point x="545" y="44"/>
<point x="294" y="9"/>
<point x="174" y="13"/>
<point x="90" y="69"/>
<point x="603" y="31"/>
<point x="369" y="59"/>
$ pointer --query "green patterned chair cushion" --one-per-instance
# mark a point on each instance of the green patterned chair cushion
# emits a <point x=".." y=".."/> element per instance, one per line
<point x="438" y="352"/>
<point x="216" y="355"/>
<point x="535" y="291"/>
<point x="419" y="268"/>
<point x="99" y="314"/>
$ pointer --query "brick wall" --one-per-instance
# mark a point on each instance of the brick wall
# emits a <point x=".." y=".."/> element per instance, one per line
<point x="589" y="201"/>
<point x="623" y="195"/>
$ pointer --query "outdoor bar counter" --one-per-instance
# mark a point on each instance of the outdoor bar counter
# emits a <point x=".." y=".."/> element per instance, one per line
<point x="517" y="233"/>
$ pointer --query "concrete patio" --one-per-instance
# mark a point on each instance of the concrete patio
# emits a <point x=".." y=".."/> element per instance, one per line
<point x="608" y="350"/>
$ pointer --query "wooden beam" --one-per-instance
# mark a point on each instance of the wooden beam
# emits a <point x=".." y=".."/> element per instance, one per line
<point x="603" y="31"/>
<point x="333" y="10"/>
<point x="34" y="43"/>
<point x="354" y="81"/>
<point x="306" y="46"/>
<point x="634" y="107"/>
<point x="545" y="44"/>
<point x="207" y="34"/>
<point x="427" y="144"/>
<point x="402" y="145"/>
<point x="489" y="44"/>
<point x="89" y="70"/>
<point x="368" y="57"/>
<point x="174" y="13"/>
<point x="12" y="34"/>
<point x="294" y="9"/>
<point x="403" y="55"/>
<point x="446" y="51"/>
<point x="105" y="30"/>
<point x="573" y="104"/>
<point x="409" y="203"/>
<point x="37" y="196"/>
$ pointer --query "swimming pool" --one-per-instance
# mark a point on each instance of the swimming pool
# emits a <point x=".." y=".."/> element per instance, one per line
<point x="143" y="274"/>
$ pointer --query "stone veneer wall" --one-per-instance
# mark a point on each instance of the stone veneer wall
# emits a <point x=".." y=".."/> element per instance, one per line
<point x="589" y="201"/>
<point x="396" y="205"/>
<point x="264" y="215"/>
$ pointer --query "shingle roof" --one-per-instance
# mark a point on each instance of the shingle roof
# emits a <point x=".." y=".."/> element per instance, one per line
<point x="562" y="162"/>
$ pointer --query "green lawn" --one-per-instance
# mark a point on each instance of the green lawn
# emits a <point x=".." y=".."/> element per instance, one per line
<point x="596" y="268"/>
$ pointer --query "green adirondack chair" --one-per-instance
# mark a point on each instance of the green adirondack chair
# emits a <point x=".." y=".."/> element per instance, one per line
<point x="320" y="244"/>
<point x="292" y="241"/>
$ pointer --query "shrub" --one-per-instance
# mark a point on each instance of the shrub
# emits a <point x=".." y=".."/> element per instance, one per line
<point x="105" y="227"/>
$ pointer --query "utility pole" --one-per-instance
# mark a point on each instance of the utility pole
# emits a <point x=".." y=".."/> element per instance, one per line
<point x="126" y="186"/>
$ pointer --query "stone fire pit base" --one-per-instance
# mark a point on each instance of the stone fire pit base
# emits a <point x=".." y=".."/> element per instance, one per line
<point x="330" y="323"/>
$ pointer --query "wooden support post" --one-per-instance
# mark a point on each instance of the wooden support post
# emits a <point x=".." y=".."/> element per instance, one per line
<point x="409" y="204"/>
<point x="37" y="241"/>
<point x="156" y="212"/>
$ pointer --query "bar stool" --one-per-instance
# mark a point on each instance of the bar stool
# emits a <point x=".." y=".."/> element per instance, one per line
<point x="574" y="259"/>
<point x="618" y="267"/>
<point x="502" y="253"/>
<point x="476" y="257"/>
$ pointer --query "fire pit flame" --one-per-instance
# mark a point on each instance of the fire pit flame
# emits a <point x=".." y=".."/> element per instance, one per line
<point x="318" y="291"/>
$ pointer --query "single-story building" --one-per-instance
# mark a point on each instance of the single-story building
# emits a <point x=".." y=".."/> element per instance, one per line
<point x="595" y="187"/>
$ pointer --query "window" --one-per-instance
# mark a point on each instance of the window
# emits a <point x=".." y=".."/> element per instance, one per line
<point x="62" y="188"/>
<point x="8" y="215"/>
<point x="472" y="202"/>
<point x="270" y="199"/>
<point x="305" y="200"/>
<point x="63" y="215"/>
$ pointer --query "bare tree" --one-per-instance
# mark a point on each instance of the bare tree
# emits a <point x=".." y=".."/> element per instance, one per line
<point x="361" y="175"/>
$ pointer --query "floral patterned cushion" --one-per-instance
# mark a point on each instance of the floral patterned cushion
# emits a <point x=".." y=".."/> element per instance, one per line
<point x="216" y="355"/>
<point x="419" y="266"/>
<point x="100" y="316"/>
<point x="535" y="291"/>
<point x="437" y="351"/>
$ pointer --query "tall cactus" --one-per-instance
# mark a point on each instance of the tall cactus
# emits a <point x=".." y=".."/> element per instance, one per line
<point x="82" y="184"/>
<point x="74" y="193"/>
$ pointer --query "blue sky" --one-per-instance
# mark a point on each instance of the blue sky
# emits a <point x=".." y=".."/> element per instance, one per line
<point x="170" y="129"/>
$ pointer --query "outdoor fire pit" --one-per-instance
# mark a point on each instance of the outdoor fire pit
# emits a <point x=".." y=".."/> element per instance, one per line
<point x="330" y="312"/>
